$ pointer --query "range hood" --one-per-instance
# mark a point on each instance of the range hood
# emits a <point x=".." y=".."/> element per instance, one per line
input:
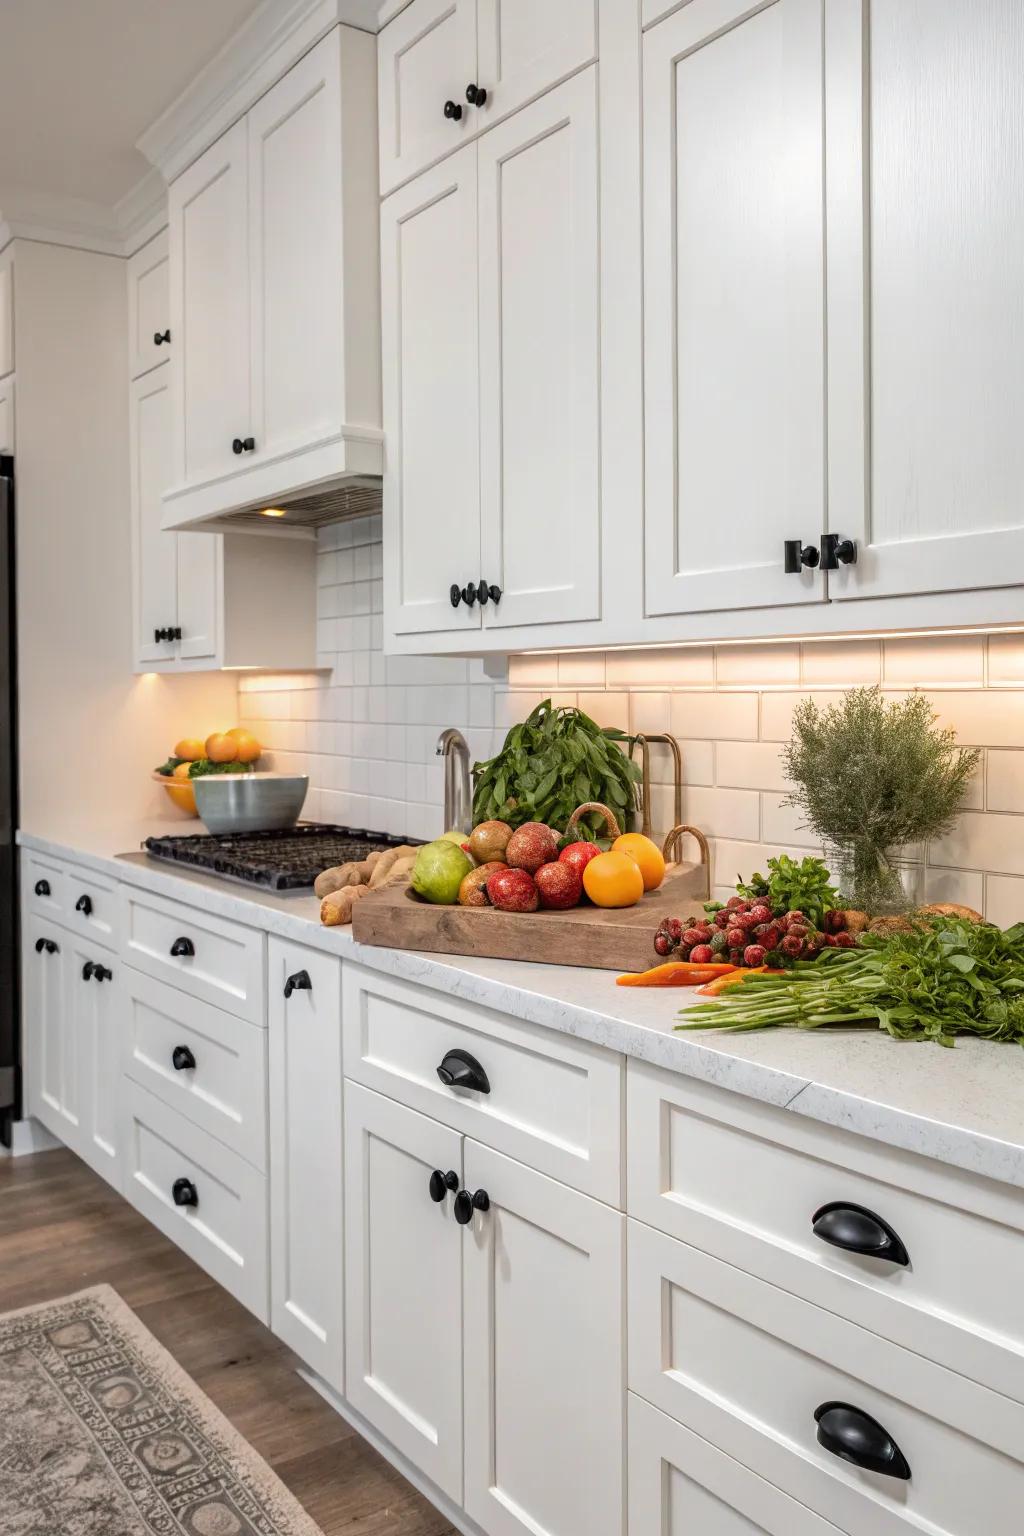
<point x="303" y="512"/>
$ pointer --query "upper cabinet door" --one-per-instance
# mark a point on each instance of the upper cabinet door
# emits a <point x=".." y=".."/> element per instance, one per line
<point x="154" y="552"/>
<point x="733" y="303"/>
<point x="544" y="1358"/>
<point x="540" y="446"/>
<point x="200" y="585"/>
<point x="149" y="333"/>
<point x="209" y="259"/>
<point x="431" y="398"/>
<point x="7" y="415"/>
<point x="426" y="58"/>
<point x="295" y="176"/>
<point x="925" y="303"/>
<point x="6" y="313"/>
<point x="525" y="47"/>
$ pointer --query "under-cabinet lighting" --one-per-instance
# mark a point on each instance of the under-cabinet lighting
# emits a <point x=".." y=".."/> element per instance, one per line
<point x="273" y="512"/>
<point x="765" y="640"/>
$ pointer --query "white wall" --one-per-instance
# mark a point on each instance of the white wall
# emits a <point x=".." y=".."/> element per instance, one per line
<point x="366" y="732"/>
<point x="90" y="731"/>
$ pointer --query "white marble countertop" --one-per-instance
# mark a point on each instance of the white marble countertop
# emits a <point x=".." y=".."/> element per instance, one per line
<point x="963" y="1106"/>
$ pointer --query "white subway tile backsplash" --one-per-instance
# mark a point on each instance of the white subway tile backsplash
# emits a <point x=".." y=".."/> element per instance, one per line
<point x="1005" y="782"/>
<point x="758" y="666"/>
<point x="849" y="663"/>
<point x="749" y="764"/>
<point x="936" y="661"/>
<point x="965" y="887"/>
<point x="983" y="841"/>
<point x="686" y="667"/>
<point x="720" y="716"/>
<point x="1004" y="900"/>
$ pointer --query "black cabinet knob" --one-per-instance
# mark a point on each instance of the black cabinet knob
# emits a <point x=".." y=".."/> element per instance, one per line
<point x="453" y="111"/>
<point x="798" y="555"/>
<point x="854" y="1436"/>
<point x="243" y="444"/>
<point x="476" y="95"/>
<point x="455" y="593"/>
<point x="84" y="905"/>
<point x="159" y="337"/>
<point x="182" y="1059"/>
<point x="469" y="594"/>
<point x="87" y="970"/>
<point x="102" y="973"/>
<point x="461" y="1070"/>
<point x="300" y="982"/>
<point x="166" y="634"/>
<point x="485" y="592"/>
<point x="42" y="887"/>
<point x="441" y="1183"/>
<point x="858" y="1230"/>
<point x="184" y="1192"/>
<point x="175" y="633"/>
<point x="466" y="1204"/>
<point x="48" y="945"/>
<point x="837" y="551"/>
<point x="182" y="948"/>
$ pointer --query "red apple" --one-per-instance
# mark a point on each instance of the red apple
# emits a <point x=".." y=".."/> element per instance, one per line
<point x="578" y="856"/>
<point x="559" y="885"/>
<point x="513" y="890"/>
<point x="530" y="846"/>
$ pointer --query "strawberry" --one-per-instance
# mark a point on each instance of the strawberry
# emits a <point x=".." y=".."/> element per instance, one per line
<point x="792" y="946"/>
<point x="702" y="954"/>
<point x="754" y="955"/>
<point x="762" y="913"/>
<point x="844" y="941"/>
<point x="735" y="938"/>
<point x="692" y="936"/>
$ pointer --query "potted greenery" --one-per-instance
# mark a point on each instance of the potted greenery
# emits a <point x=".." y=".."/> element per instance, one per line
<point x="876" y="781"/>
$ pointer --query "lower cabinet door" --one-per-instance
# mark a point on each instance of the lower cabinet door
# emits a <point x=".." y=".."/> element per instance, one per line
<point x="544" y="1361"/>
<point x="91" y="1001"/>
<point x="403" y="1282"/>
<point x="49" y="1064"/>
<point x="306" y="1276"/>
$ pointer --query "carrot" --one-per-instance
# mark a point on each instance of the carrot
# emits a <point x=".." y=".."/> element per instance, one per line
<point x="714" y="988"/>
<point x="674" y="973"/>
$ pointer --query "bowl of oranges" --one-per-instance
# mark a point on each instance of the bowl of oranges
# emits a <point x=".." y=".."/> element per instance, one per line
<point x="225" y="752"/>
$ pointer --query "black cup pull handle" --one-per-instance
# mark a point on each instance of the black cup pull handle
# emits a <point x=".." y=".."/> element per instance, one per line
<point x="466" y="1204"/>
<point x="461" y="1070"/>
<point x="42" y="887"/>
<point x="182" y="948"/>
<point x="84" y="905"/>
<point x="300" y="982"/>
<point x="441" y="1183"/>
<point x="853" y="1435"/>
<point x="858" y="1230"/>
<point x="184" y="1192"/>
<point x="182" y="1059"/>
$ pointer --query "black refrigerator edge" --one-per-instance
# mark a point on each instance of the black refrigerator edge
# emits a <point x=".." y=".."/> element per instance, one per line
<point x="10" y="992"/>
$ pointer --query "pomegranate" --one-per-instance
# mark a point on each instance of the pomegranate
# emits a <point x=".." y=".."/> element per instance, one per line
<point x="488" y="840"/>
<point x="559" y="885"/>
<point x="530" y="846"/>
<point x="513" y="890"/>
<point x="578" y="856"/>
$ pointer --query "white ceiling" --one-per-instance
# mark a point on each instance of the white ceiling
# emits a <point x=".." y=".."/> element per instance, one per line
<point x="81" y="79"/>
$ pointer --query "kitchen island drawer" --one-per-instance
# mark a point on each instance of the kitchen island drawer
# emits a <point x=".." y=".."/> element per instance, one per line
<point x="200" y="1194"/>
<point x="549" y="1101"/>
<point x="207" y="1064"/>
<point x="753" y="1184"/>
<point x="218" y="961"/>
<point x="43" y="885"/>
<point x="752" y="1369"/>
<point x="91" y="904"/>
<point x="679" y="1485"/>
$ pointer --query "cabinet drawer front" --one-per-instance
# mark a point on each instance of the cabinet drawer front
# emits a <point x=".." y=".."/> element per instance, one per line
<point x="744" y="1180"/>
<point x="43" y="883"/>
<point x="746" y="1365"/>
<point x="553" y="1104"/>
<point x="224" y="1090"/>
<point x="91" y="905"/>
<point x="425" y="57"/>
<point x="226" y="1231"/>
<point x="679" y="1485"/>
<point x="525" y="48"/>
<point x="225" y="966"/>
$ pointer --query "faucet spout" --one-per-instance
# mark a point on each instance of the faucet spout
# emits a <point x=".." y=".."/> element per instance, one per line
<point x="458" y="799"/>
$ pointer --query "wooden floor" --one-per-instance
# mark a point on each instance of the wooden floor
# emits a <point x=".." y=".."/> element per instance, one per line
<point x="62" y="1229"/>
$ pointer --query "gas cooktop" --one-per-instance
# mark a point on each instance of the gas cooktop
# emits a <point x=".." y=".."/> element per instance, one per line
<point x="276" y="861"/>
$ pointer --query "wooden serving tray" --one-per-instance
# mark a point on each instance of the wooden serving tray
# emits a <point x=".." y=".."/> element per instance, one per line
<point x="613" y="939"/>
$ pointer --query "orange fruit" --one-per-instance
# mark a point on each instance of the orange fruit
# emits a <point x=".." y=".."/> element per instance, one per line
<point x="647" y="854"/>
<point x="182" y="793"/>
<point x="190" y="748"/>
<point x="221" y="748"/>
<point x="613" y="880"/>
<point x="248" y="748"/>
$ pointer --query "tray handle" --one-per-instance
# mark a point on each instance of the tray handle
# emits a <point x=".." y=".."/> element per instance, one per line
<point x="670" y="850"/>
<point x="614" y="830"/>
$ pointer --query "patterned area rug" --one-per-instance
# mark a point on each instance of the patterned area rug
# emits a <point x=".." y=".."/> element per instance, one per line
<point x="103" y="1434"/>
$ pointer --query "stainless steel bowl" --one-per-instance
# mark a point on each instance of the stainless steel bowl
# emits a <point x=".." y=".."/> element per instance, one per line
<point x="250" y="802"/>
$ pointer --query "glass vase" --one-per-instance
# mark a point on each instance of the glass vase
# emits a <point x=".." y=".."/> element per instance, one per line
<point x="880" y="881"/>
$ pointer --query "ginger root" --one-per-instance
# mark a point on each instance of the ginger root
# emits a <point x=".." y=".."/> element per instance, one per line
<point x="387" y="862"/>
<point x="336" y="908"/>
<point x="338" y="878"/>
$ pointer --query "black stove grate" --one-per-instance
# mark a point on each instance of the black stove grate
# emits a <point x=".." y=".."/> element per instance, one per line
<point x="289" y="860"/>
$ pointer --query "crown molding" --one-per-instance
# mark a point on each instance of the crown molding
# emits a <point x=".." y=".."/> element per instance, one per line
<point x="142" y="212"/>
<point x="264" y="48"/>
<point x="83" y="225"/>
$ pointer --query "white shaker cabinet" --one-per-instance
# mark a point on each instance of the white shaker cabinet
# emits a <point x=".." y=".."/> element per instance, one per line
<point x="6" y="312"/>
<point x="431" y="398"/>
<point x="149" y="332"/>
<point x="307" y="1279"/>
<point x="92" y="1017"/>
<point x="544" y="1358"/>
<point x="733" y="303"/>
<point x="925" y="306"/>
<point x="50" y="1049"/>
<point x="425" y="58"/>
